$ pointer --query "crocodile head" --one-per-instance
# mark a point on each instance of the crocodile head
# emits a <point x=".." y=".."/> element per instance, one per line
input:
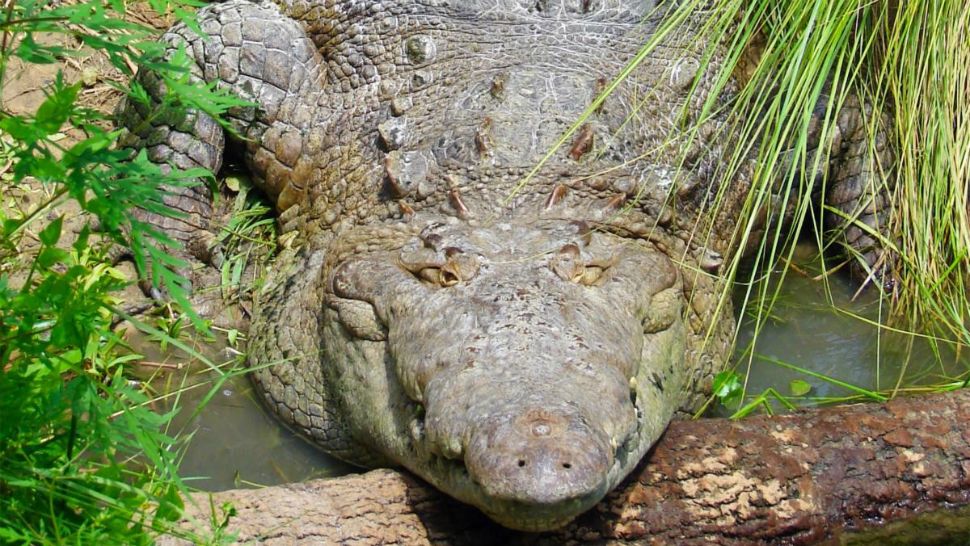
<point x="523" y="367"/>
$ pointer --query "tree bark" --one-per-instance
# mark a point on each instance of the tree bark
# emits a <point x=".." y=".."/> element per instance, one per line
<point x="803" y="478"/>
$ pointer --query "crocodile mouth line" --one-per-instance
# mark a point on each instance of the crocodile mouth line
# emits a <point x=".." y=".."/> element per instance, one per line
<point x="517" y="514"/>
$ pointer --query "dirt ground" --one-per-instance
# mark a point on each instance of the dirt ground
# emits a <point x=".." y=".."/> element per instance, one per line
<point x="24" y="86"/>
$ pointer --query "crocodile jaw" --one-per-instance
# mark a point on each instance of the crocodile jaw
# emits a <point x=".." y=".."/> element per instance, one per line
<point x="554" y="503"/>
<point x="542" y="494"/>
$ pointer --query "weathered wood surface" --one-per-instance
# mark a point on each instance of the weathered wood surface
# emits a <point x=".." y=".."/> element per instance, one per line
<point x="797" y="479"/>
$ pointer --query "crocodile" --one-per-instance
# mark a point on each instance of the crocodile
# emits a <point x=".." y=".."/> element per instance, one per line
<point x="508" y="313"/>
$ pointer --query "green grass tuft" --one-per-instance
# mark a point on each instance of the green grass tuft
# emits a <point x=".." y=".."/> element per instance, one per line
<point x="909" y="63"/>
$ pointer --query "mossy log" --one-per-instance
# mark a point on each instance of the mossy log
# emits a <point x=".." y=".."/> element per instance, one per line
<point x="804" y="478"/>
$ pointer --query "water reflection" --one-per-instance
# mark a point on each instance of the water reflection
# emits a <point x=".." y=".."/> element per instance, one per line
<point x="235" y="442"/>
<point x="833" y="331"/>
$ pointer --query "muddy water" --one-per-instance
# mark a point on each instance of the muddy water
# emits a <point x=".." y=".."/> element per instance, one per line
<point x="236" y="443"/>
<point x="830" y="328"/>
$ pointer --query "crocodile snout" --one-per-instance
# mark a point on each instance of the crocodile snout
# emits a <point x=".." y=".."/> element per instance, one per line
<point x="539" y="457"/>
<point x="536" y="383"/>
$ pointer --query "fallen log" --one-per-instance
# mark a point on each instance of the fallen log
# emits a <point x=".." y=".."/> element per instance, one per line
<point x="803" y="478"/>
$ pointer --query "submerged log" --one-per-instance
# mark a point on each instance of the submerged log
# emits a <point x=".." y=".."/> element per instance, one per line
<point x="802" y="478"/>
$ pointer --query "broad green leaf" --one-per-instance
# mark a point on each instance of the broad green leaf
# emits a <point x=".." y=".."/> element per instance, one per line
<point x="726" y="382"/>
<point x="44" y="168"/>
<point x="9" y="226"/>
<point x="52" y="255"/>
<point x="171" y="507"/>
<point x="52" y="233"/>
<point x="799" y="387"/>
<point x="233" y="183"/>
<point x="20" y="130"/>
<point x="31" y="52"/>
<point x="728" y="388"/>
<point x="57" y="108"/>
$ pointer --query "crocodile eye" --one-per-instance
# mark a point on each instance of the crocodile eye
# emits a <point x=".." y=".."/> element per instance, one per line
<point x="591" y="275"/>
<point x="447" y="277"/>
<point x="456" y="269"/>
<point x="569" y="265"/>
<point x="444" y="276"/>
<point x="423" y="264"/>
<point x="588" y="274"/>
<point x="429" y="274"/>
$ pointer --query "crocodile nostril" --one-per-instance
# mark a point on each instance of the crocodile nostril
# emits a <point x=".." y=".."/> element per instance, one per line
<point x="541" y="429"/>
<point x="545" y="456"/>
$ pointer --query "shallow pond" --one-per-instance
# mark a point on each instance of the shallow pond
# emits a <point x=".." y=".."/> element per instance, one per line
<point x="236" y="442"/>
<point x="830" y="328"/>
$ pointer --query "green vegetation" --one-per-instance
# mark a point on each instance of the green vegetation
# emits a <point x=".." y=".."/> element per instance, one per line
<point x="83" y="459"/>
<point x="909" y="63"/>
<point x="248" y="239"/>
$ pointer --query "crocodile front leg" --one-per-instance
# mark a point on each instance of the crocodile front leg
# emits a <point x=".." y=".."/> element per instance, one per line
<point x="181" y="139"/>
<point x="260" y="56"/>
<point x="287" y="360"/>
<point x="264" y="57"/>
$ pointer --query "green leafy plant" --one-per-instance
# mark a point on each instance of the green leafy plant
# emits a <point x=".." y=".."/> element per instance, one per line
<point x="728" y="388"/>
<point x="83" y="459"/>
<point x="730" y="392"/>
